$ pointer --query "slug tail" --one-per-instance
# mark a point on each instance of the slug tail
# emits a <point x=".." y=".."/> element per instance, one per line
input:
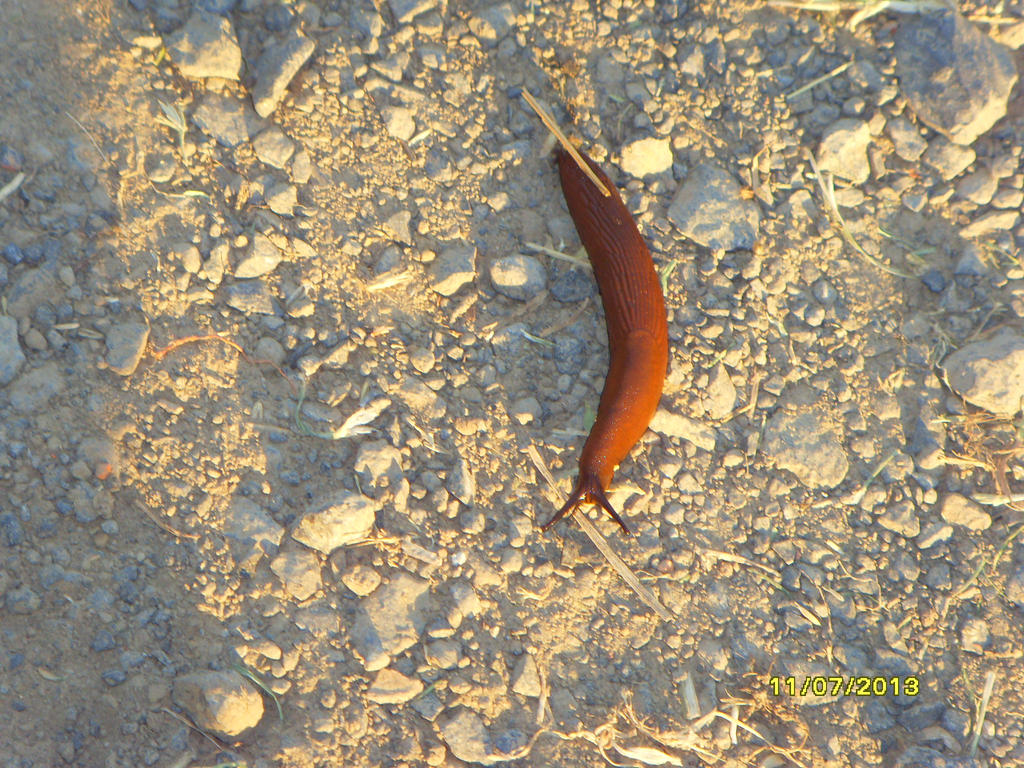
<point x="587" y="490"/>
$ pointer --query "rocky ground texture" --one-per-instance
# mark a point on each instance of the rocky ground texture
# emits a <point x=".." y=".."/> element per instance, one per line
<point x="288" y="341"/>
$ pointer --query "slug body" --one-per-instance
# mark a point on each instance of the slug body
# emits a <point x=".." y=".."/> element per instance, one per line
<point x="634" y="309"/>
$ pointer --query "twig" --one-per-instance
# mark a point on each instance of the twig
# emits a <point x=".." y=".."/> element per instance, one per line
<point x="602" y="545"/>
<point x="552" y="126"/>
<point x="583" y="263"/>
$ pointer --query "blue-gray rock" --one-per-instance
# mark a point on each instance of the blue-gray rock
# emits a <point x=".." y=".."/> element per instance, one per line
<point x="251" y="297"/>
<point x="573" y="284"/>
<point x="956" y="78"/>
<point x="11" y="356"/>
<point x="519" y="277"/>
<point x="206" y="47"/>
<point x="14" y="533"/>
<point x="990" y="373"/>
<point x="126" y="343"/>
<point x="277" y="65"/>
<point x="570" y="351"/>
<point x="103" y="641"/>
<point x="22" y="600"/>
<point x="934" y="280"/>
<point x="223" y="118"/>
<point x="709" y="209"/>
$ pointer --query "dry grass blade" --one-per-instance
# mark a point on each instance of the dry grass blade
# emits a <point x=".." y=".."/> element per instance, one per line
<point x="645" y="594"/>
<point x="389" y="280"/>
<point x="356" y="423"/>
<point x="12" y="186"/>
<point x="248" y="674"/>
<point x="576" y="262"/>
<point x="552" y="126"/>
<point x="828" y="195"/>
<point x="979" y="723"/>
<point x="819" y="80"/>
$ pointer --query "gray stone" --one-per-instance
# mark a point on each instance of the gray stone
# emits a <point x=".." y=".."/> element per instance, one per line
<point x="11" y="356"/>
<point x="519" y="277"/>
<point x="398" y="226"/>
<point x="526" y="678"/>
<point x="34" y="287"/>
<point x="978" y="187"/>
<point x="959" y="510"/>
<point x="901" y="518"/>
<point x="273" y="147"/>
<point x="339" y="519"/>
<point x="282" y="198"/>
<point x="391" y="619"/>
<point x="906" y="138"/>
<point x="975" y="636"/>
<point x="646" y="157"/>
<point x="990" y="223"/>
<point x="949" y="159"/>
<point x="709" y="209"/>
<point x="442" y="654"/>
<point x="126" y="343"/>
<point x="467" y="738"/>
<point x="453" y="268"/>
<point x="223" y="703"/>
<point x="379" y="461"/>
<point x="206" y="47"/>
<point x="248" y="522"/>
<point x="461" y="482"/>
<point x="361" y="579"/>
<point x="392" y="687"/>
<point x="406" y="10"/>
<point x="492" y="23"/>
<point x="251" y="297"/>
<point x="223" y="118"/>
<point x="844" y="150"/>
<point x="466" y="599"/>
<point x="421" y="399"/>
<point x="934" y="534"/>
<point x="277" y="65"/>
<point x="1015" y="588"/>
<point x="809" y="446"/>
<point x="956" y="78"/>
<point x="399" y="122"/>
<point x="990" y="373"/>
<point x="32" y="390"/>
<point x="684" y="428"/>
<point x="719" y="397"/>
<point x="299" y="571"/>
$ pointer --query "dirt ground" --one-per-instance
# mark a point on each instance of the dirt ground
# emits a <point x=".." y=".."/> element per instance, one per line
<point x="122" y="570"/>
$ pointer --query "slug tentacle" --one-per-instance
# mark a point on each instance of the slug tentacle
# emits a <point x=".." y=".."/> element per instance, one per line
<point x="588" y="490"/>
